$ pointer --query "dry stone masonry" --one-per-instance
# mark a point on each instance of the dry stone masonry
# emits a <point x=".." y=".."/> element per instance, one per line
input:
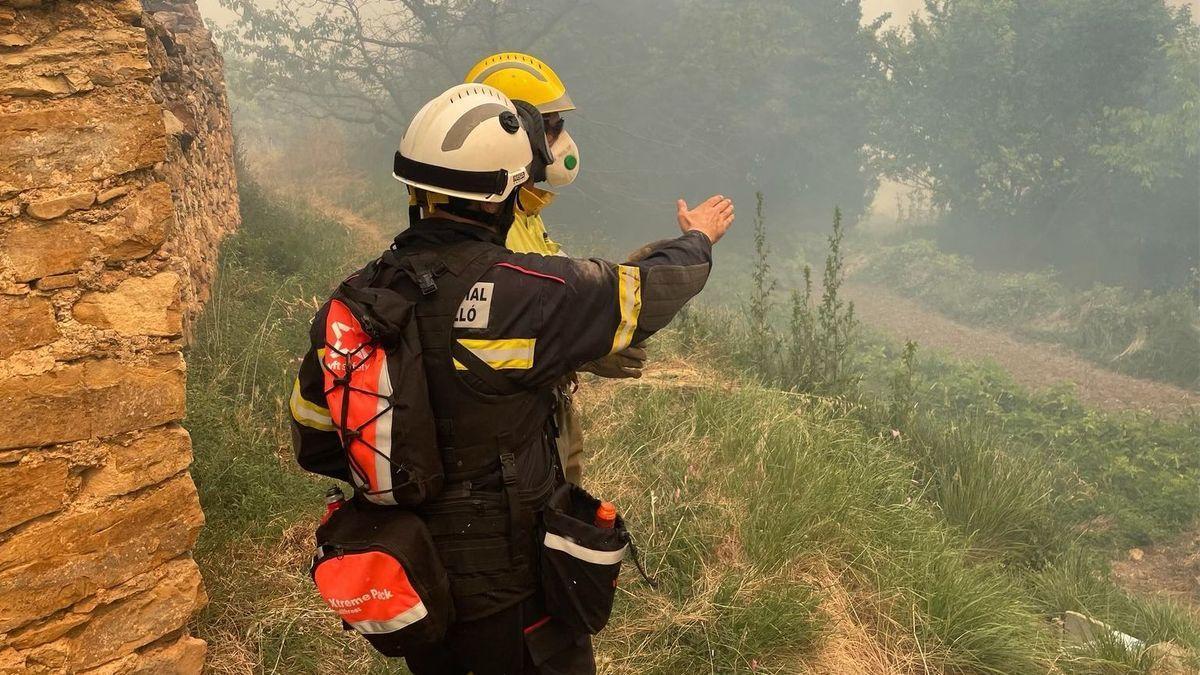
<point x="116" y="186"/>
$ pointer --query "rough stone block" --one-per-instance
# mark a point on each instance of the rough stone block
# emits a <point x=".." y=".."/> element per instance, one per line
<point x="141" y="227"/>
<point x="49" y="209"/>
<point x="37" y="250"/>
<point x="48" y="659"/>
<point x="57" y="281"/>
<point x="30" y="489"/>
<point x="184" y="656"/>
<point x="55" y="84"/>
<point x="12" y="662"/>
<point x="77" y="139"/>
<point x="53" y="564"/>
<point x="171" y="593"/>
<point x="106" y="627"/>
<point x="77" y="48"/>
<point x="28" y="323"/>
<point x="52" y="628"/>
<point x="138" y="306"/>
<point x="93" y="399"/>
<point x="13" y="40"/>
<point x="150" y="458"/>
<point x="172" y="125"/>
<point x="111" y="194"/>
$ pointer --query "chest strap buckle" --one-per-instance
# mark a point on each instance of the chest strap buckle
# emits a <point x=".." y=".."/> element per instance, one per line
<point x="426" y="283"/>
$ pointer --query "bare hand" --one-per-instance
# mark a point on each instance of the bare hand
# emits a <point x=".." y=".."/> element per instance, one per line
<point x="712" y="217"/>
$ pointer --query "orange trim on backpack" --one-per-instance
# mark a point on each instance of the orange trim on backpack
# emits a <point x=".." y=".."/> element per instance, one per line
<point x="360" y="408"/>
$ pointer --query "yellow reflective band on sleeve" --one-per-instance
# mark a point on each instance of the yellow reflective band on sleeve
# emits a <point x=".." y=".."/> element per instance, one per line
<point x="507" y="354"/>
<point x="308" y="413"/>
<point x="629" y="294"/>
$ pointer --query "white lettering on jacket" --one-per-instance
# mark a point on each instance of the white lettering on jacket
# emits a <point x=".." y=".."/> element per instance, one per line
<point x="476" y="307"/>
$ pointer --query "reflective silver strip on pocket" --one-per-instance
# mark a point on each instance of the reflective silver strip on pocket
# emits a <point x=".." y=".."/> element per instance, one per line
<point x="585" y="554"/>
<point x="407" y="618"/>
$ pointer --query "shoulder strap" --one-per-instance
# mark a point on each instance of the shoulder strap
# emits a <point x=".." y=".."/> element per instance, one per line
<point x="458" y="267"/>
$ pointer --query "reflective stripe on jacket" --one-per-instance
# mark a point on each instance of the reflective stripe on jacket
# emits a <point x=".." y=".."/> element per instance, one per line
<point x="534" y="318"/>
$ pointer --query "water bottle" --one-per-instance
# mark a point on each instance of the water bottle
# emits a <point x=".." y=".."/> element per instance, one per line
<point x="333" y="501"/>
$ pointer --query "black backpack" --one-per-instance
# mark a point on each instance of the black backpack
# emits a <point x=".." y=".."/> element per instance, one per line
<point x="376" y="388"/>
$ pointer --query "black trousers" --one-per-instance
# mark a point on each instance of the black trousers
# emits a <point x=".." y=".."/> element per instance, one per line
<point x="520" y="640"/>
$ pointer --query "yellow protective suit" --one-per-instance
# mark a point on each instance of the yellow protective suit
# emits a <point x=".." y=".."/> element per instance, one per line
<point x="528" y="235"/>
<point x="528" y="232"/>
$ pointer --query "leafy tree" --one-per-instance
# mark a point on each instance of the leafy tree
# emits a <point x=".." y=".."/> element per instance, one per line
<point x="675" y="98"/>
<point x="683" y="95"/>
<point x="373" y="62"/>
<point x="1053" y="130"/>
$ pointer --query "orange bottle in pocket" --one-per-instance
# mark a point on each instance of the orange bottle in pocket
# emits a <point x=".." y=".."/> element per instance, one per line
<point x="606" y="515"/>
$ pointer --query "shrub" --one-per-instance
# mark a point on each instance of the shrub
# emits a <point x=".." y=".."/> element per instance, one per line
<point x="816" y="354"/>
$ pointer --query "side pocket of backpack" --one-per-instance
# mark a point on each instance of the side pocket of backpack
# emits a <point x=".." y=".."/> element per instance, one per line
<point x="376" y="567"/>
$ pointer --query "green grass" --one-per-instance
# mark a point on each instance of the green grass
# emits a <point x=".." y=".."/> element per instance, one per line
<point x="273" y="273"/>
<point x="965" y="525"/>
<point x="1120" y="479"/>
<point x="755" y="508"/>
<point x="260" y="508"/>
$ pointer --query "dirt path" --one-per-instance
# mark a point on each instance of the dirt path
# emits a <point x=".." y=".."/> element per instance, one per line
<point x="1170" y="569"/>
<point x="1034" y="365"/>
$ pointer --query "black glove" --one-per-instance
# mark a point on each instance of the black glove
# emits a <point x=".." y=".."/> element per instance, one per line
<point x="626" y="363"/>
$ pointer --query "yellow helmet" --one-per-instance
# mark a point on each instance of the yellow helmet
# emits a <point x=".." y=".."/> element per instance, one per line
<point x="524" y="78"/>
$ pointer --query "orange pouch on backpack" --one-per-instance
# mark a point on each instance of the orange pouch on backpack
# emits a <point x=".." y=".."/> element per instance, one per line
<point x="377" y="568"/>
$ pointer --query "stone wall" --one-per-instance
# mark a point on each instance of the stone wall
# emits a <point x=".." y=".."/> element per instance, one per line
<point x="116" y="185"/>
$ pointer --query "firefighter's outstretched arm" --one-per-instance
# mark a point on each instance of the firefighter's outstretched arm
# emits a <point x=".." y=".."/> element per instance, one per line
<point x="587" y="309"/>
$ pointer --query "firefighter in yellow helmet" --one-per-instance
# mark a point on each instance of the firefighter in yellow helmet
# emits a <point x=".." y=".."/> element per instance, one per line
<point x="541" y="98"/>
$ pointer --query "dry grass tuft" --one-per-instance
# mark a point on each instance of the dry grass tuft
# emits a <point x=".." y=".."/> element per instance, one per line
<point x="257" y="627"/>
<point x="857" y="639"/>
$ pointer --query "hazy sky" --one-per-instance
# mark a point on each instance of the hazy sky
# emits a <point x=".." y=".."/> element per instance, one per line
<point x="871" y="8"/>
<point x="900" y="9"/>
<point x="211" y="9"/>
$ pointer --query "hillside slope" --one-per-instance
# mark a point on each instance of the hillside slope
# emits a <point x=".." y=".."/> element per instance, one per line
<point x="786" y="533"/>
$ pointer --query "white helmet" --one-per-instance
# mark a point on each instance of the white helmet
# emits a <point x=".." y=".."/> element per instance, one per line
<point x="466" y="142"/>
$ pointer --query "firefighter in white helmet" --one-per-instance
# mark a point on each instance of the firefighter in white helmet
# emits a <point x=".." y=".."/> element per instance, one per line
<point x="499" y="329"/>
